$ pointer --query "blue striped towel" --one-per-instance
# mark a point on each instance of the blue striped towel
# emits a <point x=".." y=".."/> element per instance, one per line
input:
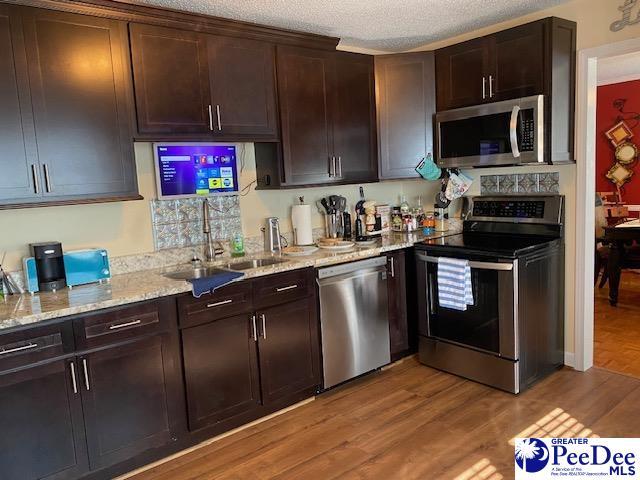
<point x="454" y="283"/>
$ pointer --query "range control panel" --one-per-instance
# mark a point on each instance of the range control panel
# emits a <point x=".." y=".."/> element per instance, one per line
<point x="509" y="208"/>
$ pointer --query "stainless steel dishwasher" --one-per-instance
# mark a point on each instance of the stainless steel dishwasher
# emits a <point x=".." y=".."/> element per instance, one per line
<point x="354" y="319"/>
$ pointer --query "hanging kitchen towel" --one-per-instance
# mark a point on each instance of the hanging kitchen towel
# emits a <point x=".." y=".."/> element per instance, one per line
<point x="454" y="283"/>
<point x="200" y="286"/>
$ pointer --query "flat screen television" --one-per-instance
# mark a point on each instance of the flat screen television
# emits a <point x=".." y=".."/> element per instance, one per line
<point x="185" y="170"/>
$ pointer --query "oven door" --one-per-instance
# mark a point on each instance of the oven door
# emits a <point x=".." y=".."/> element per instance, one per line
<point x="501" y="133"/>
<point x="489" y="325"/>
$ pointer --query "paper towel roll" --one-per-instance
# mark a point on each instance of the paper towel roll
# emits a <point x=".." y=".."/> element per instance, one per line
<point x="301" y="222"/>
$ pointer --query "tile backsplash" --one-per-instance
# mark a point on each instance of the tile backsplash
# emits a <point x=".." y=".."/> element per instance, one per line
<point x="178" y="223"/>
<point x="520" y="183"/>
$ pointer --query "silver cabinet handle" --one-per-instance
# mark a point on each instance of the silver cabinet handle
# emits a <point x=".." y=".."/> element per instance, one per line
<point x="339" y="166"/>
<point x="484" y="88"/>
<point x="73" y="377"/>
<point x="36" y="183"/>
<point x="255" y="329"/>
<point x="86" y="374"/>
<point x="47" y="180"/>
<point x="123" y="325"/>
<point x="217" y="304"/>
<point x="218" y="117"/>
<point x="513" y="131"/>
<point x="284" y="289"/>
<point x="393" y="268"/>
<point x="210" y="109"/>
<point x="18" y="349"/>
<point x="332" y="166"/>
<point x="264" y="325"/>
<point x="490" y="86"/>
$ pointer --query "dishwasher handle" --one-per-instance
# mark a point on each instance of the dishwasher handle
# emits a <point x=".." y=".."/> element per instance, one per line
<point x="377" y="272"/>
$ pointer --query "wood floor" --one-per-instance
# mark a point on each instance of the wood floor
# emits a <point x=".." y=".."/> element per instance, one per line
<point x="617" y="329"/>
<point x="413" y="422"/>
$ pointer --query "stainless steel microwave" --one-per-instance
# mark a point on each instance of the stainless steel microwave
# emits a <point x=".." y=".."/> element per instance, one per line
<point x="501" y="133"/>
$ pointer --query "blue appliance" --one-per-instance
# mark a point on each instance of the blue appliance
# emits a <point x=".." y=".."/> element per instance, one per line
<point x="81" y="267"/>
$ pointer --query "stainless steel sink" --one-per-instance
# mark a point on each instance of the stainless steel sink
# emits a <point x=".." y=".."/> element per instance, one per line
<point x="190" y="273"/>
<point x="248" y="264"/>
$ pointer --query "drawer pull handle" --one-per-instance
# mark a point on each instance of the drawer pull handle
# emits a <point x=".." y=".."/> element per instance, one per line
<point x="123" y="325"/>
<point x="19" y="349"/>
<point x="217" y="304"/>
<point x="284" y="289"/>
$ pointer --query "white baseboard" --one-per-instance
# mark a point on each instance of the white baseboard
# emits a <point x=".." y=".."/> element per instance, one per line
<point x="569" y="359"/>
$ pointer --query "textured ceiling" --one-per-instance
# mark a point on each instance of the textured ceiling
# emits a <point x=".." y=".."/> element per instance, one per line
<point x="622" y="68"/>
<point x="389" y="25"/>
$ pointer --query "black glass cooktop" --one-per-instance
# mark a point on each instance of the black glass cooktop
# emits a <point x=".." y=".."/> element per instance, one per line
<point x="488" y="244"/>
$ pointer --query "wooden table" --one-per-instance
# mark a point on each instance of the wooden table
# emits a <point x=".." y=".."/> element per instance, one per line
<point x="617" y="237"/>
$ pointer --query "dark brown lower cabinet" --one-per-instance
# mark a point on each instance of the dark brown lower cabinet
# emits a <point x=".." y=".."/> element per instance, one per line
<point x="41" y="422"/>
<point x="288" y="349"/>
<point x="221" y="370"/>
<point x="126" y="400"/>
<point x="398" y="317"/>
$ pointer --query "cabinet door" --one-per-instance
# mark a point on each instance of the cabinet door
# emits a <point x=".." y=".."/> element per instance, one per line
<point x="41" y="423"/>
<point x="243" y="89"/>
<point x="397" y="289"/>
<point x="462" y="74"/>
<point x="78" y="69"/>
<point x="406" y="104"/>
<point x="126" y="400"/>
<point x="19" y="161"/>
<point x="518" y="62"/>
<point x="354" y="117"/>
<point x="171" y="80"/>
<point x="304" y="78"/>
<point x="221" y="370"/>
<point x="289" y="349"/>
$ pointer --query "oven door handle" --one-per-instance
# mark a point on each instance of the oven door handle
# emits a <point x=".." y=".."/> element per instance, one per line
<point x="513" y="131"/>
<point x="473" y="264"/>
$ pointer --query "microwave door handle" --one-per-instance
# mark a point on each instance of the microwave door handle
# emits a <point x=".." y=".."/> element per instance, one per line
<point x="513" y="133"/>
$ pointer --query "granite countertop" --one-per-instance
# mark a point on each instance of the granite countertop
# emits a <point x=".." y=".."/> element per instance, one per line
<point x="19" y="310"/>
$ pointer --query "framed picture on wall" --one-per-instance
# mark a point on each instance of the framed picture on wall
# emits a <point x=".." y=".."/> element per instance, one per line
<point x="619" y="133"/>
<point x="619" y="174"/>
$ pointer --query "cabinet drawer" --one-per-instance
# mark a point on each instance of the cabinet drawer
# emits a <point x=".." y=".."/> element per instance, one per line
<point x="118" y="324"/>
<point x="226" y="301"/>
<point x="282" y="288"/>
<point x="21" y="348"/>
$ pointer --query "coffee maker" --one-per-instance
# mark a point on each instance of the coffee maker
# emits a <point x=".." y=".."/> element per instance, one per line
<point x="49" y="265"/>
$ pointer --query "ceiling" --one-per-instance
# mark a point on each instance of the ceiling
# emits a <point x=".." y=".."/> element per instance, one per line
<point x="385" y="25"/>
<point x="622" y="68"/>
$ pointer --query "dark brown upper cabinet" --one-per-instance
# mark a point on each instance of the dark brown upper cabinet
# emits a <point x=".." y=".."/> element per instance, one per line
<point x="191" y="84"/>
<point x="536" y="58"/>
<point x="462" y="74"/>
<point x="406" y="104"/>
<point x="16" y="122"/>
<point x="66" y="87"/>
<point x="327" y="116"/>
<point x="304" y="83"/>
<point x="242" y="75"/>
<point x="171" y="80"/>
<point x="78" y="71"/>
<point x="354" y="117"/>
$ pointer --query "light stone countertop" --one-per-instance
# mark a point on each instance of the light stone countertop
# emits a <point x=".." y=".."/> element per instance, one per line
<point x="26" y="309"/>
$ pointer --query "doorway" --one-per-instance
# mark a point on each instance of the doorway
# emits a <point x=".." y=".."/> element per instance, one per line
<point x="590" y="62"/>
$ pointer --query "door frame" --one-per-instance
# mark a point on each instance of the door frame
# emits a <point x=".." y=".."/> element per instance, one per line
<point x="587" y="89"/>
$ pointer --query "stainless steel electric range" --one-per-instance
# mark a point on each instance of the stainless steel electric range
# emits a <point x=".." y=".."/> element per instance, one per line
<point x="513" y="333"/>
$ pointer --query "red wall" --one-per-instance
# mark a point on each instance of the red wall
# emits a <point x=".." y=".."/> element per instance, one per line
<point x="606" y="118"/>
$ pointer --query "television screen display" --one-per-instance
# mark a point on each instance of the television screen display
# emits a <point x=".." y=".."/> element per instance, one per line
<point x="193" y="169"/>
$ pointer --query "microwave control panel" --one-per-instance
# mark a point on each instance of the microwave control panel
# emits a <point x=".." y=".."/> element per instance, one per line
<point x="526" y="130"/>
